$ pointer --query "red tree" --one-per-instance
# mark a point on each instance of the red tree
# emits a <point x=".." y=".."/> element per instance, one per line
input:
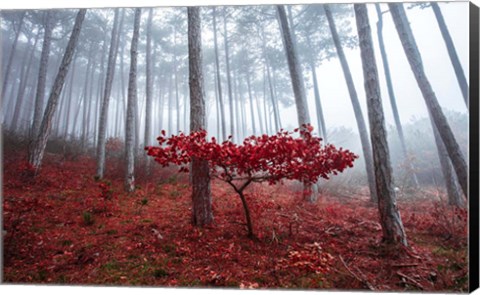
<point x="259" y="159"/>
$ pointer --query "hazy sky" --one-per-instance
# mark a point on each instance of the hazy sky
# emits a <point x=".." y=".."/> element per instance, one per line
<point x="334" y="93"/>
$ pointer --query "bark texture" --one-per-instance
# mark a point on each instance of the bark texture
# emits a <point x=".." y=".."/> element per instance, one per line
<point x="201" y="198"/>
<point x="392" y="226"/>
<point x="36" y="152"/>
<point x="42" y="73"/>
<point x="131" y="107"/>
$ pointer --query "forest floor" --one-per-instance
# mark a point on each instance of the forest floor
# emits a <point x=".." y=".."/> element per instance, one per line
<point x="64" y="227"/>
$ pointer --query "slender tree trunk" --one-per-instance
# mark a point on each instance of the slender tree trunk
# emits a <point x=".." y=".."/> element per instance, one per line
<point x="169" y="105"/>
<point x="250" y="99"/>
<point x="6" y="74"/>
<point x="35" y="154"/>
<point x="275" y="95"/>
<point x="238" y="119"/>
<point x="414" y="58"/>
<point x="87" y="95"/>
<point x="297" y="84"/>
<point x="229" y="79"/>
<point x="259" y="113"/>
<point x="268" y="127"/>
<point x="201" y="199"/>
<point x="112" y="58"/>
<point x="24" y="77"/>
<point x="391" y="94"/>
<point x="392" y="226"/>
<point x="270" y="84"/>
<point x="318" y="104"/>
<point x="219" y="80"/>
<point x="362" y="127"/>
<point x="70" y="98"/>
<point x="453" y="191"/>
<point x="42" y="73"/>
<point x="131" y="109"/>
<point x="148" y="89"/>
<point x="452" y="53"/>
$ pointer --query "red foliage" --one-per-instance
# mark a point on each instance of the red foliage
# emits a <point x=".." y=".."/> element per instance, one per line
<point x="145" y="239"/>
<point x="259" y="158"/>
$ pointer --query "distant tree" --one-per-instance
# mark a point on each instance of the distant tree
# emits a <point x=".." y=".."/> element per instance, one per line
<point x="200" y="176"/>
<point x="42" y="73"/>
<point x="228" y="73"/>
<point x="453" y="191"/>
<point x="36" y="152"/>
<point x="362" y="127"/>
<point x="392" y="226"/>
<point x="148" y="85"/>
<point x="297" y="84"/>
<point x="102" y="128"/>
<point x="391" y="94"/>
<point x="23" y="81"/>
<point x="415" y="60"/>
<point x="131" y="107"/>
<point x="218" y="79"/>
<point x="452" y="53"/>
<point x="6" y="74"/>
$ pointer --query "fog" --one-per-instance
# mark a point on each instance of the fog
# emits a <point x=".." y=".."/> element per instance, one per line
<point x="256" y="56"/>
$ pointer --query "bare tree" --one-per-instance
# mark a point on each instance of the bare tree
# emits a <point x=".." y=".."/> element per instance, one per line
<point x="229" y="78"/>
<point x="218" y="79"/>
<point x="416" y="64"/>
<point x="200" y="176"/>
<point x="148" y="87"/>
<point x="452" y="53"/>
<point x="362" y="127"/>
<point x="6" y="74"/>
<point x="392" y="226"/>
<point x="297" y="83"/>
<point x="131" y="107"/>
<point x="36" y="152"/>
<point x="102" y="129"/>
<point x="391" y="94"/>
<point x="42" y="72"/>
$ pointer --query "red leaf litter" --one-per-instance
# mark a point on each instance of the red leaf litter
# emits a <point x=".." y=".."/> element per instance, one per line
<point x="65" y="227"/>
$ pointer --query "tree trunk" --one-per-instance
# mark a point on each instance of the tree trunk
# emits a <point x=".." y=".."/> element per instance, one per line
<point x="452" y="53"/>
<point x="453" y="191"/>
<point x="414" y="58"/>
<point x="24" y="77"/>
<point x="250" y="100"/>
<point x="362" y="127"/>
<point x="42" y="73"/>
<point x="201" y="199"/>
<point x="70" y="98"/>
<point x="322" y="129"/>
<point x="392" y="226"/>
<point x="393" y="100"/>
<point x="6" y="74"/>
<point x="148" y="89"/>
<point x="131" y="109"/>
<point x="219" y="80"/>
<point x="35" y="154"/>
<point x="112" y="57"/>
<point x="229" y="79"/>
<point x="297" y="84"/>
